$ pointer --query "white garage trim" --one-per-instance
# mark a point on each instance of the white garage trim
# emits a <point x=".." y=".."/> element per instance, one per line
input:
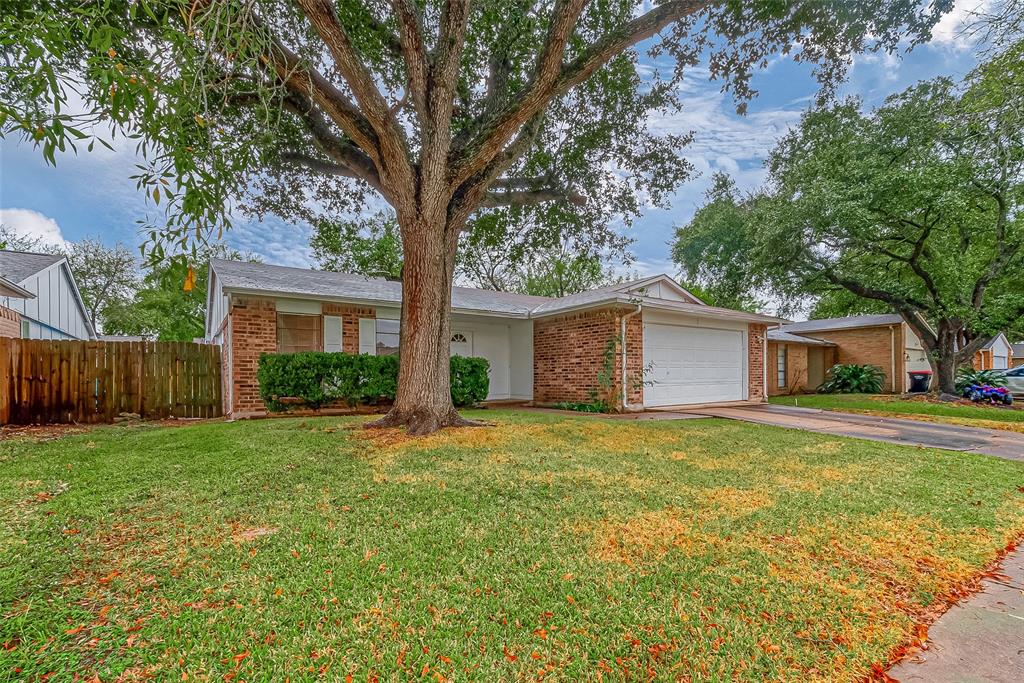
<point x="694" y="364"/>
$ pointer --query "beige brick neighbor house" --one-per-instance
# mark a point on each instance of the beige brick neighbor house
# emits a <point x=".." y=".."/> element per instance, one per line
<point x="800" y="353"/>
<point x="677" y="351"/>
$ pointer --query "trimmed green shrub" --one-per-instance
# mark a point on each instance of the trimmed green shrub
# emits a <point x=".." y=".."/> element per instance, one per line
<point x="469" y="379"/>
<point x="853" y="379"/>
<point x="317" y="378"/>
<point x="967" y="376"/>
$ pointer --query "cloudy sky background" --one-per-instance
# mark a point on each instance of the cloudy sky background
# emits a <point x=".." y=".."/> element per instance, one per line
<point x="92" y="195"/>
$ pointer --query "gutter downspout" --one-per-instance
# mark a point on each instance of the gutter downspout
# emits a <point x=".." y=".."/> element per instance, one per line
<point x="622" y="333"/>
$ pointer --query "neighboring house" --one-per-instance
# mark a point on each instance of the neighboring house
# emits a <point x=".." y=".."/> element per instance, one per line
<point x="996" y="355"/>
<point x="10" y="319"/>
<point x="539" y="349"/>
<point x="55" y="309"/>
<point x="800" y="353"/>
<point x="1017" y="357"/>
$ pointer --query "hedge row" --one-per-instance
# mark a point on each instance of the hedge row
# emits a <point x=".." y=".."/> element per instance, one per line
<point x="318" y="378"/>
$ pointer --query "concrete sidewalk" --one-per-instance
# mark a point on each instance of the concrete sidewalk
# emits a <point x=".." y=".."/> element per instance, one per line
<point x="905" y="431"/>
<point x="980" y="639"/>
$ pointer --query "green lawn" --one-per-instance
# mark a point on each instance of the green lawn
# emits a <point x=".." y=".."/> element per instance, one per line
<point x="574" y="548"/>
<point x="996" y="417"/>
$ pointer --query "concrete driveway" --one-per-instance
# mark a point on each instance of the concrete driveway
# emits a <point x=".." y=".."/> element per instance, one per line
<point x="908" y="432"/>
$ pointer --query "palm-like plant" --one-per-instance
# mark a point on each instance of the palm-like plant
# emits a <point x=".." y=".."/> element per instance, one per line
<point x="967" y="376"/>
<point x="853" y="379"/>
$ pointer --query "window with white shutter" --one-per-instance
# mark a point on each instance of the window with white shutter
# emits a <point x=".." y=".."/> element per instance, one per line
<point x="368" y="336"/>
<point x="332" y="333"/>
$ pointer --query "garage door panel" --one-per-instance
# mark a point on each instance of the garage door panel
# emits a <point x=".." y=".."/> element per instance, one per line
<point x="692" y="365"/>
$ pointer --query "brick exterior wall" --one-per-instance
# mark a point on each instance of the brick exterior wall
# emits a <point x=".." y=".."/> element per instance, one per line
<point x="568" y="356"/>
<point x="756" y="336"/>
<point x="869" y="346"/>
<point x="250" y="330"/>
<point x="10" y="322"/>
<point x="796" y="369"/>
<point x="982" y="360"/>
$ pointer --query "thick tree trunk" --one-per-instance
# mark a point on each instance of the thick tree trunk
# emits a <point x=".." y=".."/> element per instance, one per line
<point x="944" y="367"/>
<point x="944" y="357"/>
<point x="423" y="402"/>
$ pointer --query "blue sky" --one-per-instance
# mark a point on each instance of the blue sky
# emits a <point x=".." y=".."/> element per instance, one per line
<point x="91" y="194"/>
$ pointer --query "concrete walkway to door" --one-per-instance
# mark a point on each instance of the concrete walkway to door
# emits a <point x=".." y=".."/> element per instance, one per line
<point x="904" y="431"/>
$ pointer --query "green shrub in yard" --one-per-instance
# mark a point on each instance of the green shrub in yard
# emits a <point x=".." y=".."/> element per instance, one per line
<point x="469" y="379"/>
<point x="967" y="376"/>
<point x="853" y="379"/>
<point x="317" y="378"/>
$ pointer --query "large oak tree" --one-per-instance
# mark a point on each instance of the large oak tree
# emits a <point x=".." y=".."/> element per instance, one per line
<point x="914" y="207"/>
<point x="527" y="112"/>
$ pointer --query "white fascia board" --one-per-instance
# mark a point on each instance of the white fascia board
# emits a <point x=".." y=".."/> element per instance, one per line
<point x="369" y="303"/>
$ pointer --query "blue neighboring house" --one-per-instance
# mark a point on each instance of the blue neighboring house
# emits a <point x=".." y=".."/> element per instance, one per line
<point x="54" y="308"/>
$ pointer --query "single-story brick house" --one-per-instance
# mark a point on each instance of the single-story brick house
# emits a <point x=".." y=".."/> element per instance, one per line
<point x="678" y="351"/>
<point x="1017" y="354"/>
<point x="800" y="353"/>
<point x="997" y="354"/>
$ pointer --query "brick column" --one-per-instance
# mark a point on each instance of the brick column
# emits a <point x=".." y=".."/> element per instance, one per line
<point x="251" y="331"/>
<point x="10" y="322"/>
<point x="756" y="345"/>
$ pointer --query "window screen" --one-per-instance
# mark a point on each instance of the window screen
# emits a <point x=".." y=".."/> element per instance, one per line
<point x="387" y="337"/>
<point x="298" y="333"/>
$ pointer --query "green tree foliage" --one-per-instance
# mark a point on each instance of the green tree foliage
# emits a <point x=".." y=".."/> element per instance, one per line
<point x="162" y="309"/>
<point x="107" y="277"/>
<point x="913" y="207"/>
<point x="564" y="274"/>
<point x="493" y="115"/>
<point x="370" y="246"/>
<point x="714" y="248"/>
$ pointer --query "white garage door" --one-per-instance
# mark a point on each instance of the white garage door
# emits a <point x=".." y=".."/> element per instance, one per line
<point x="692" y="365"/>
<point x="1000" y="362"/>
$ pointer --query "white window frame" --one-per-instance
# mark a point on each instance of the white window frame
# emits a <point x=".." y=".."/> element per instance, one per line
<point x="26" y="329"/>
<point x="780" y="366"/>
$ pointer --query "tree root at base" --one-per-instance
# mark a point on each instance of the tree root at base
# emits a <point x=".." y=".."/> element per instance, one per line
<point x="421" y="422"/>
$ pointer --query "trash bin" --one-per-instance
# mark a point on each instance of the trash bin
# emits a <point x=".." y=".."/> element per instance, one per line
<point x="920" y="380"/>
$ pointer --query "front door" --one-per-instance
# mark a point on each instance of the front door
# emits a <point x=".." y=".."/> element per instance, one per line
<point x="462" y="344"/>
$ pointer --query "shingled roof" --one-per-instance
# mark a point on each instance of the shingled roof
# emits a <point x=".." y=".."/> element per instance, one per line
<point x="264" y="279"/>
<point x="18" y="266"/>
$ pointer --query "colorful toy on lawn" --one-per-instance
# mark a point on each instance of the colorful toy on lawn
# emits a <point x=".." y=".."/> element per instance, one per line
<point x="984" y="393"/>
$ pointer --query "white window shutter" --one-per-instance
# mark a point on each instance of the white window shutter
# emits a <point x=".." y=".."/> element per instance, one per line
<point x="332" y="333"/>
<point x="368" y="336"/>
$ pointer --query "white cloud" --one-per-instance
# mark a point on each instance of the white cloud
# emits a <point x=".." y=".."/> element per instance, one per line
<point x="34" y="225"/>
<point x="951" y="31"/>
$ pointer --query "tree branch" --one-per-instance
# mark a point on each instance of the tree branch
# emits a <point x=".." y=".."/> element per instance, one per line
<point x="396" y="170"/>
<point x="490" y="200"/>
<point x="414" y="52"/>
<point x="549" y="83"/>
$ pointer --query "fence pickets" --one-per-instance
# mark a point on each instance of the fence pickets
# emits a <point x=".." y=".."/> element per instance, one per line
<point x="43" y="381"/>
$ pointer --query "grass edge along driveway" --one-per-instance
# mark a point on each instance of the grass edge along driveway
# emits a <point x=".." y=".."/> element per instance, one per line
<point x="882" y="405"/>
<point x="543" y="547"/>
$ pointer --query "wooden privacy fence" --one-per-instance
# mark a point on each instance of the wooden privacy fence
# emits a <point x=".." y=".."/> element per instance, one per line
<point x="93" y="381"/>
